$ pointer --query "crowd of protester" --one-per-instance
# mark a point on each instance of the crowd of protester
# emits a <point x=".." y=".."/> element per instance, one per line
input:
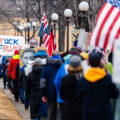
<point x="66" y="86"/>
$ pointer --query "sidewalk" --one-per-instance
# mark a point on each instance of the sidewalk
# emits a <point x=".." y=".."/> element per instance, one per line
<point x="16" y="109"/>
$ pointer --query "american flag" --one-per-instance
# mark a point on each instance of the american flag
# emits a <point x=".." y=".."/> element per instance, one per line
<point x="107" y="28"/>
<point x="53" y="38"/>
<point x="44" y="31"/>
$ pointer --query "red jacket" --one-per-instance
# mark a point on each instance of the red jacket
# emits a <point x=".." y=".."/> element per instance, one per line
<point x="12" y="66"/>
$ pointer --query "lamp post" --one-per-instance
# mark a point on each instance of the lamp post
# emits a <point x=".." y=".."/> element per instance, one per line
<point x="21" y="28"/>
<point x="84" y="7"/>
<point x="15" y="25"/>
<point x="68" y="15"/>
<point x="54" y="18"/>
<point x="34" y="24"/>
<point x="28" y="25"/>
<point x="25" y="28"/>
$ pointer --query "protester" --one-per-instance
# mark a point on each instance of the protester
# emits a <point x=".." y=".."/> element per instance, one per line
<point x="5" y="76"/>
<point x="26" y="56"/>
<point x="63" y="71"/>
<point x="37" y="108"/>
<point x="47" y="83"/>
<point x="95" y="89"/>
<point x="72" y="110"/>
<point x="11" y="73"/>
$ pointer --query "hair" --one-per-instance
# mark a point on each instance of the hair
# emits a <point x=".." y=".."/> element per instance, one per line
<point x="110" y="57"/>
<point x="73" y="70"/>
<point x="94" y="59"/>
<point x="28" y="50"/>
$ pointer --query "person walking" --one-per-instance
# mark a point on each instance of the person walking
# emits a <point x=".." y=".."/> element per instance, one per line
<point x="95" y="89"/>
<point x="11" y="73"/>
<point x="72" y="110"/>
<point x="47" y="84"/>
<point x="38" y="109"/>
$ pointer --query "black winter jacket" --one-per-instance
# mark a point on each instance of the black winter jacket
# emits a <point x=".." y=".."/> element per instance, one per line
<point x="95" y="98"/>
<point x="33" y="90"/>
<point x="47" y="78"/>
<point x="72" y="110"/>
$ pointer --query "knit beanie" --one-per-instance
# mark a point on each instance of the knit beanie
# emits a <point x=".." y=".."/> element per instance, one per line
<point x="84" y="56"/>
<point x="41" y="53"/>
<point x="75" y="50"/>
<point x="16" y="52"/>
<point x="75" y="64"/>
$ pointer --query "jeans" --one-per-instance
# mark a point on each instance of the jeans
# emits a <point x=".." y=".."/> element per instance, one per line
<point x="22" y="95"/>
<point x="16" y="91"/>
<point x="26" y="103"/>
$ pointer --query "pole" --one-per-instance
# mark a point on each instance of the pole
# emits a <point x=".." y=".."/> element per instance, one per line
<point x="25" y="35"/>
<point x="28" y="34"/>
<point x="41" y="41"/>
<point x="33" y="32"/>
<point x="55" y="29"/>
<point x="67" y="34"/>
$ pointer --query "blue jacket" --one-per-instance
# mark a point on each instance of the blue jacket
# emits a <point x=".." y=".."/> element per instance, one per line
<point x="60" y="74"/>
<point x="48" y="74"/>
<point x="95" y="98"/>
<point x="2" y="66"/>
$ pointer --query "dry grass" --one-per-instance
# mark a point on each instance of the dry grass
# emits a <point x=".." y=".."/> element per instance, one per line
<point x="7" y="109"/>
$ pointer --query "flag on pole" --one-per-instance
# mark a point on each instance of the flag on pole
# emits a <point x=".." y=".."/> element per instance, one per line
<point x="107" y="28"/>
<point x="52" y="41"/>
<point x="53" y="38"/>
<point x="44" y="31"/>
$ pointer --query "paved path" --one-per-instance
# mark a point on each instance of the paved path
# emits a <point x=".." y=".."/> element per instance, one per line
<point x="24" y="114"/>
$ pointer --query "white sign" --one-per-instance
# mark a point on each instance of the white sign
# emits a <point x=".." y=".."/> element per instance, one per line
<point x="8" y="44"/>
<point x="33" y="43"/>
<point x="116" y="62"/>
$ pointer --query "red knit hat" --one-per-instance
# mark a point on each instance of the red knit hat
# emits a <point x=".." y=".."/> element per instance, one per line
<point x="16" y="52"/>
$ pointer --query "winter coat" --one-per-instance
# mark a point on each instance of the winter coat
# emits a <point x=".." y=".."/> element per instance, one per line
<point x="60" y="74"/>
<point x="2" y="63"/>
<point x="117" y="106"/>
<point x="72" y="110"/>
<point x="95" y="90"/>
<point x="33" y="93"/>
<point x="12" y="66"/>
<point x="47" y="78"/>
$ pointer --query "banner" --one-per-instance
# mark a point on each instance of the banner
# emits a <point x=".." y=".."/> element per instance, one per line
<point x="75" y="36"/>
<point x="8" y="44"/>
<point x="116" y="62"/>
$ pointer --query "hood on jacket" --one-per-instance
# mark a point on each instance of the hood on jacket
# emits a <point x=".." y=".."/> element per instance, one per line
<point x="37" y="68"/>
<point x="16" y="52"/>
<point x="95" y="74"/>
<point x="56" y="59"/>
<point x="16" y="57"/>
<point x="67" y="58"/>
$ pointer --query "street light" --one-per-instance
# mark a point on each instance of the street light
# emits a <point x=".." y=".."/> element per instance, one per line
<point x="84" y="6"/>
<point x="54" y="18"/>
<point x="25" y="28"/>
<point x="68" y="14"/>
<point x="34" y="24"/>
<point x="21" y="28"/>
<point x="28" y="25"/>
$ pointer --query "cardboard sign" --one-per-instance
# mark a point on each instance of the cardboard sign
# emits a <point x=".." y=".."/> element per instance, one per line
<point x="116" y="62"/>
<point x="33" y="43"/>
<point x="8" y="44"/>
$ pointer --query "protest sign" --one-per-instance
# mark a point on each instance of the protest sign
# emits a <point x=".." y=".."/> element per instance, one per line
<point x="33" y="43"/>
<point x="8" y="44"/>
<point x="116" y="62"/>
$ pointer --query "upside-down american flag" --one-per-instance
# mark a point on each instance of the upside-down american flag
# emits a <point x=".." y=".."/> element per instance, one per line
<point x="44" y="31"/>
<point x="107" y="28"/>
